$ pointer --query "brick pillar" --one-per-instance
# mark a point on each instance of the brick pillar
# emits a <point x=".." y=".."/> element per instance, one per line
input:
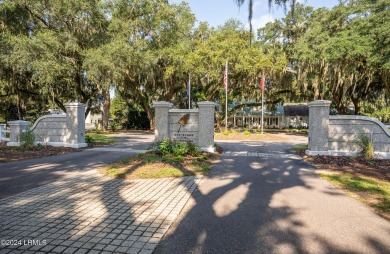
<point x="161" y="110"/>
<point x="75" y="125"/>
<point x="206" y="125"/>
<point x="16" y="129"/>
<point x="318" y="128"/>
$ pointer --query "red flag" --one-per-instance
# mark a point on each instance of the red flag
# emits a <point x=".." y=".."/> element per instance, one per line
<point x="262" y="81"/>
<point x="225" y="76"/>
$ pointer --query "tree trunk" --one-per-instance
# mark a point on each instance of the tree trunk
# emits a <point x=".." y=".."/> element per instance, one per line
<point x="150" y="113"/>
<point x="19" y="105"/>
<point x="106" y="108"/>
<point x="356" y="104"/>
<point x="152" y="123"/>
<point x="218" y="121"/>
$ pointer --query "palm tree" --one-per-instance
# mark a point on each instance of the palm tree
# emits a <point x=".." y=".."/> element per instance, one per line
<point x="250" y="9"/>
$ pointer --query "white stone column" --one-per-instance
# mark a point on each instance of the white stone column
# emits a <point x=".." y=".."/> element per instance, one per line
<point x="318" y="128"/>
<point x="75" y="125"/>
<point x="2" y="133"/>
<point x="161" y="110"/>
<point x="206" y="125"/>
<point x="16" y="129"/>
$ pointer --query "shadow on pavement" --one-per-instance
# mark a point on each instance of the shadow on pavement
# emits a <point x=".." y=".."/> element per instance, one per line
<point x="258" y="205"/>
<point x="91" y="213"/>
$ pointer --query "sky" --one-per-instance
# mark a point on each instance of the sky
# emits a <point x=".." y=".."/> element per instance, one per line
<point x="216" y="12"/>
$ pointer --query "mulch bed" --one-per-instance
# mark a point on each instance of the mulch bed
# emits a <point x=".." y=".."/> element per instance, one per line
<point x="377" y="168"/>
<point x="9" y="154"/>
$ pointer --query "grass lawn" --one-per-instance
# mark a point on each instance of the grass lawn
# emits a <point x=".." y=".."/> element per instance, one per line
<point x="300" y="148"/>
<point x="365" y="180"/>
<point x="255" y="135"/>
<point x="154" y="165"/>
<point x="100" y="137"/>
<point x="373" y="192"/>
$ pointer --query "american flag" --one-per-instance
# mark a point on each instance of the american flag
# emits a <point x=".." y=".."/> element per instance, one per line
<point x="262" y="81"/>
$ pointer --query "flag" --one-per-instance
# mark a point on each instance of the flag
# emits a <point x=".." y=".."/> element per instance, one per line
<point x="262" y="81"/>
<point x="225" y="75"/>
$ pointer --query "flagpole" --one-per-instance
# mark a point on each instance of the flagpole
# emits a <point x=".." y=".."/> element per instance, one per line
<point x="189" y="91"/>
<point x="262" y="85"/>
<point x="226" y="95"/>
<point x="262" y="110"/>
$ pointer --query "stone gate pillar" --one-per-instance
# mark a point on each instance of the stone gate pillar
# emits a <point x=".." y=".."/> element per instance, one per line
<point x="75" y="125"/>
<point x="16" y="129"/>
<point x="318" y="127"/>
<point x="2" y="133"/>
<point x="206" y="126"/>
<point x="161" y="112"/>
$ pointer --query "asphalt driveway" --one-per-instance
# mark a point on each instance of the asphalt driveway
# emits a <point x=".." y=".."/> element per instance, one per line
<point x="20" y="176"/>
<point x="260" y="199"/>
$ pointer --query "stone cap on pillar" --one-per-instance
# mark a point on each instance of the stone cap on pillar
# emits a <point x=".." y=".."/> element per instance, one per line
<point x="206" y="104"/>
<point x="19" y="122"/>
<point x="319" y="103"/>
<point x="162" y="104"/>
<point x="74" y="104"/>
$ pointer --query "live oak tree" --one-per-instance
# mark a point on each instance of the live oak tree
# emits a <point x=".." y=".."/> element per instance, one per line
<point x="147" y="40"/>
<point x="207" y="64"/>
<point x="47" y="43"/>
<point x="339" y="54"/>
<point x="53" y="52"/>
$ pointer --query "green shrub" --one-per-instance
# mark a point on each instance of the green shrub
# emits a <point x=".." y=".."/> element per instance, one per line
<point x="27" y="139"/>
<point x="246" y="132"/>
<point x="88" y="139"/>
<point x="193" y="149"/>
<point x="226" y="133"/>
<point x="383" y="115"/>
<point x="113" y="126"/>
<point x="180" y="148"/>
<point x="165" y="146"/>
<point x="366" y="147"/>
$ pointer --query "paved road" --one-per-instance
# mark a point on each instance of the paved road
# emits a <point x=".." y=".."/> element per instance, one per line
<point x="257" y="199"/>
<point x="257" y="203"/>
<point x="16" y="177"/>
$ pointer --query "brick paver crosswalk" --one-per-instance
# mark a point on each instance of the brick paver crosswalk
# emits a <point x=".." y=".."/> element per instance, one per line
<point x="92" y="214"/>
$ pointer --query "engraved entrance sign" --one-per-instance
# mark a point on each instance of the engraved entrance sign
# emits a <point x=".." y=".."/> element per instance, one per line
<point x="184" y="137"/>
<point x="187" y="125"/>
<point x="184" y="125"/>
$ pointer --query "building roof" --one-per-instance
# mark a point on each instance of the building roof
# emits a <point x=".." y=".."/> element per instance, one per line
<point x="296" y="110"/>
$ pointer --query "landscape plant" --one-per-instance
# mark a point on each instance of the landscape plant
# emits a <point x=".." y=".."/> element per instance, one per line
<point x="366" y="146"/>
<point x="88" y="139"/>
<point x="166" y="158"/>
<point x="178" y="148"/>
<point x="27" y="139"/>
<point x="113" y="126"/>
